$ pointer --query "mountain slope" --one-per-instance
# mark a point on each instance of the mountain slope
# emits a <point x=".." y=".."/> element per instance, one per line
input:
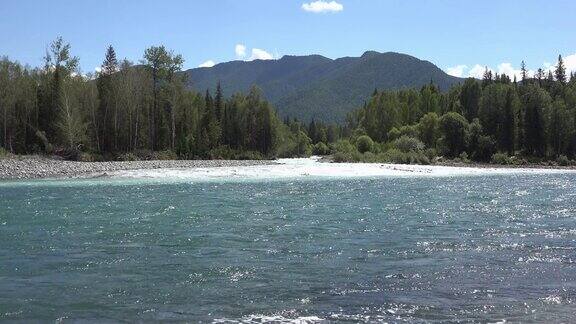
<point x="316" y="87"/>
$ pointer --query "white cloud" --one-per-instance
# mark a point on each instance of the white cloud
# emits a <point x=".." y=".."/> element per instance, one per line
<point x="240" y="50"/>
<point x="322" y="6"/>
<point x="509" y="70"/>
<point x="477" y="71"/>
<point x="457" y="71"/>
<point x="98" y="69"/>
<point x="207" y="64"/>
<point x="570" y="63"/>
<point x="260" y="54"/>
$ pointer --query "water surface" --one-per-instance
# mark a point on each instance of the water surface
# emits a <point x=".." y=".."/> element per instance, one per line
<point x="455" y="248"/>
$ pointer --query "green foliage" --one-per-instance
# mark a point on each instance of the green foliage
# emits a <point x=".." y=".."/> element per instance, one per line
<point x="364" y="144"/>
<point x="411" y="157"/>
<point x="454" y="131"/>
<point x="128" y="157"/>
<point x="332" y="88"/>
<point x="501" y="158"/>
<point x="3" y="152"/>
<point x="470" y="98"/>
<point x="89" y="157"/>
<point x="394" y="134"/>
<point x="295" y="144"/>
<point x="165" y="155"/>
<point x="321" y="149"/>
<point x="428" y="129"/>
<point x="485" y="148"/>
<point x="536" y="103"/>
<point x="563" y="160"/>
<point x="407" y="144"/>
<point x="137" y="109"/>
<point x="146" y="112"/>
<point x="536" y="118"/>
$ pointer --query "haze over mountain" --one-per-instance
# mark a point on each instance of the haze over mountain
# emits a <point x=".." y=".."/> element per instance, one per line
<point x="316" y="87"/>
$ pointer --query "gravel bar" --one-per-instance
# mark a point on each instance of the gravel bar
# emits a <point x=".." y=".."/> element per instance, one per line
<point x="42" y="167"/>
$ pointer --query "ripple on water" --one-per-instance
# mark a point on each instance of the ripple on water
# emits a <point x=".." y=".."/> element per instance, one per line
<point x="478" y="249"/>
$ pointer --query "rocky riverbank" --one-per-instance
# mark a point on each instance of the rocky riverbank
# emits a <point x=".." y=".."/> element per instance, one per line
<point x="36" y="167"/>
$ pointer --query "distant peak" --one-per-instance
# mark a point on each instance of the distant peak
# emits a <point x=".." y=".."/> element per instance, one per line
<point x="289" y="57"/>
<point x="370" y="54"/>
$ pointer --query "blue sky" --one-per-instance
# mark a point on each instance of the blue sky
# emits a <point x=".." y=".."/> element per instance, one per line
<point x="450" y="33"/>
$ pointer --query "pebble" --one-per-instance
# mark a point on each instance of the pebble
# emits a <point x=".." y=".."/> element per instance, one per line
<point x="36" y="167"/>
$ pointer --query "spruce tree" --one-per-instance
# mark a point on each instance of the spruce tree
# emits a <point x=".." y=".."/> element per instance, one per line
<point x="509" y="124"/>
<point x="560" y="71"/>
<point x="219" y="101"/>
<point x="523" y="72"/>
<point x="107" y="123"/>
<point x="470" y="95"/>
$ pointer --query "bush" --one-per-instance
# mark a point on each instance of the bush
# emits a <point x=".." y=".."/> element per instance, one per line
<point x="563" y="160"/>
<point x="320" y="149"/>
<point x="68" y="153"/>
<point x="412" y="157"/>
<point x="501" y="158"/>
<point x="48" y="147"/>
<point x="428" y="128"/>
<point x="409" y="130"/>
<point x="3" y="152"/>
<point x="249" y="155"/>
<point x="464" y="157"/>
<point x="431" y="154"/>
<point x="165" y="155"/>
<point x="369" y="157"/>
<point x="364" y="144"/>
<point x="295" y="145"/>
<point x="454" y="130"/>
<point x="341" y="157"/>
<point x="354" y="156"/>
<point x="89" y="157"/>
<point x="486" y="146"/>
<point x="128" y="157"/>
<point x="407" y="144"/>
<point x="343" y="146"/>
<point x="393" y="134"/>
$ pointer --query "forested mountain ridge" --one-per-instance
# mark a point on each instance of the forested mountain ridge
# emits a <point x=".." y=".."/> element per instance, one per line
<point x="316" y="87"/>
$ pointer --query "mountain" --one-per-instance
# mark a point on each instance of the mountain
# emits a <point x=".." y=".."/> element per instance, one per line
<point x="316" y="87"/>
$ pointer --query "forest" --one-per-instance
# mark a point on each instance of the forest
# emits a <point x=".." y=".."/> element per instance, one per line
<point x="143" y="110"/>
<point x="496" y="119"/>
<point x="130" y="111"/>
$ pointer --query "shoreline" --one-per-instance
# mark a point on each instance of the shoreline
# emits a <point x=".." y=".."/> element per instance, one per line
<point x="477" y="165"/>
<point x="40" y="167"/>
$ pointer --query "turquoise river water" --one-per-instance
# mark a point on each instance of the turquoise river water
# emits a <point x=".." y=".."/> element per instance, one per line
<point x="481" y="248"/>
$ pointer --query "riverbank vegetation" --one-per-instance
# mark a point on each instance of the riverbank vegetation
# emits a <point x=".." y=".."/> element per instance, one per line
<point x="130" y="111"/>
<point x="143" y="111"/>
<point x="498" y="120"/>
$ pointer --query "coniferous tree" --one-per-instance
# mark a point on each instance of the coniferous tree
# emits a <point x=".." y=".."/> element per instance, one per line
<point x="540" y="76"/>
<point x="470" y="98"/>
<point x="59" y="64"/>
<point x="560" y="71"/>
<point x="508" y="136"/>
<point x="107" y="125"/>
<point x="487" y="78"/>
<point x="523" y="72"/>
<point x="535" y="102"/>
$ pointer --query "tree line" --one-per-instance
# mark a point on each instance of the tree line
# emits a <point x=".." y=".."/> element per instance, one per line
<point x="135" y="111"/>
<point x="144" y="111"/>
<point x="495" y="118"/>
